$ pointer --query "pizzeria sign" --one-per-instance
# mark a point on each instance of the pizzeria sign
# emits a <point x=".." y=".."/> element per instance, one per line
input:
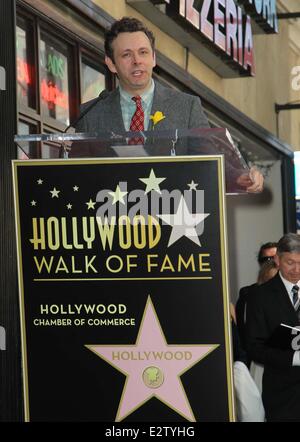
<point x="218" y="32"/>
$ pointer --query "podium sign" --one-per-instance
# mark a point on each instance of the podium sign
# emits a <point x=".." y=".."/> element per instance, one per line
<point x="124" y="289"/>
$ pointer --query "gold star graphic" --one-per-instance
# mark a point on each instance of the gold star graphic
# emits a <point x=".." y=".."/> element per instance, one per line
<point x="118" y="195"/>
<point x="152" y="182"/>
<point x="91" y="204"/>
<point x="54" y="193"/>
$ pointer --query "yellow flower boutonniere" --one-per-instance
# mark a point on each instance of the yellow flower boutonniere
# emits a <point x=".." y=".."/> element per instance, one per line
<point x="157" y="117"/>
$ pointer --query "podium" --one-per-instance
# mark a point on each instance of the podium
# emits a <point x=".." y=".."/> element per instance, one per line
<point x="122" y="260"/>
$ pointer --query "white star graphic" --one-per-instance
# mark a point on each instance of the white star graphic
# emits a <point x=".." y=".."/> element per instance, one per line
<point x="152" y="183"/>
<point x="75" y="188"/>
<point x="40" y="181"/>
<point x="69" y="206"/>
<point x="54" y="193"/>
<point x="118" y="195"/>
<point x="33" y="203"/>
<point x="183" y="223"/>
<point x="193" y="185"/>
<point x="91" y="204"/>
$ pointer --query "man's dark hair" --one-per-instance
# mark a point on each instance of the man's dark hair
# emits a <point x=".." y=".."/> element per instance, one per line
<point x="289" y="243"/>
<point x="125" y="24"/>
<point x="266" y="270"/>
<point x="268" y="245"/>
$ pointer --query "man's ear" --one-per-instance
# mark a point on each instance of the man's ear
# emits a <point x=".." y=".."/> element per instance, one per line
<point x="110" y="64"/>
<point x="154" y="59"/>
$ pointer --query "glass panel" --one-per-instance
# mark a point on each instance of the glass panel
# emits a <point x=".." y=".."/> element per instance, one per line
<point x="92" y="81"/>
<point x="54" y="79"/>
<point x="50" y="150"/>
<point x="26" y="77"/>
<point x="27" y="150"/>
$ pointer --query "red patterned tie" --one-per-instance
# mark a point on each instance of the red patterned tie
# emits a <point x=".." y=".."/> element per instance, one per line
<point x="137" y="122"/>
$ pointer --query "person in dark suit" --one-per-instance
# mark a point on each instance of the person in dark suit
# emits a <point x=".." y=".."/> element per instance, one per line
<point x="269" y="305"/>
<point x="265" y="259"/>
<point x="130" y="54"/>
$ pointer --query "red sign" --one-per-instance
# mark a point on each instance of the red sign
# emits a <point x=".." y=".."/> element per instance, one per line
<point x="50" y="92"/>
<point x="23" y="72"/>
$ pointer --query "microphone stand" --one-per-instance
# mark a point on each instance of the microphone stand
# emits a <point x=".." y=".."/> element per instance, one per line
<point x="64" y="153"/>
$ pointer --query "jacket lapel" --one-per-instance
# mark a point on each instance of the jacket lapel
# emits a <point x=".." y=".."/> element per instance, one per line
<point x="155" y="146"/>
<point x="112" y="115"/>
<point x="160" y="103"/>
<point x="283" y="297"/>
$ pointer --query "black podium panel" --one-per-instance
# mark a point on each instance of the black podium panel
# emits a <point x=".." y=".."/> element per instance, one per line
<point x="124" y="289"/>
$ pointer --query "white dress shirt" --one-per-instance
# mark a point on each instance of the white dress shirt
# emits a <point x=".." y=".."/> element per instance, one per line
<point x="289" y="285"/>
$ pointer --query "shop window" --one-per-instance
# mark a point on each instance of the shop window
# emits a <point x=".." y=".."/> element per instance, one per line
<point x="54" y="79"/>
<point x="56" y="72"/>
<point x="26" y="73"/>
<point x="92" y="80"/>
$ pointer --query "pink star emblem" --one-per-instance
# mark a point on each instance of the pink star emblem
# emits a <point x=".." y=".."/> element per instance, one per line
<point x="153" y="368"/>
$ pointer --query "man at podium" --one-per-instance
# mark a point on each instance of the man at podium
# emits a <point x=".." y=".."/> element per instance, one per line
<point x="272" y="318"/>
<point x="140" y="103"/>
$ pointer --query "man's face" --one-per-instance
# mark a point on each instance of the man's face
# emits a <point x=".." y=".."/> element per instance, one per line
<point x="267" y="254"/>
<point x="289" y="266"/>
<point x="133" y="62"/>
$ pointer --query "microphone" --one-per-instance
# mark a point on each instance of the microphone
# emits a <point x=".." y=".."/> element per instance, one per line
<point x="104" y="94"/>
<point x="101" y="96"/>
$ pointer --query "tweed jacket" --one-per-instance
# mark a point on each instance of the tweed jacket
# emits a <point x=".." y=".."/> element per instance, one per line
<point x="181" y="111"/>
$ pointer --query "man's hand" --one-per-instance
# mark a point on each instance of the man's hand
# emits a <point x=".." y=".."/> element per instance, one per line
<point x="254" y="182"/>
